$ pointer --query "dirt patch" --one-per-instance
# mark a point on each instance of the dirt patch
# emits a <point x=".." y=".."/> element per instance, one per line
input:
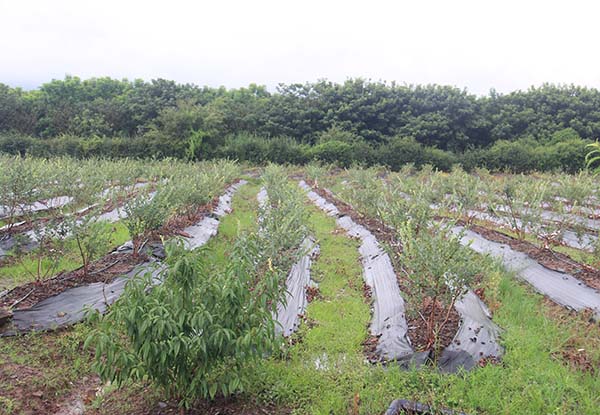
<point x="46" y="385"/>
<point x="555" y="261"/>
<point x="417" y="327"/>
<point x="28" y="398"/>
<point x="580" y="352"/>
<point x="578" y="359"/>
<point x="370" y="348"/>
<point x="489" y="360"/>
<point x="140" y="404"/>
<point x="313" y="293"/>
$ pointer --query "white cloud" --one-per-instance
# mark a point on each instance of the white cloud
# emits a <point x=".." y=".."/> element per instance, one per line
<point x="475" y="44"/>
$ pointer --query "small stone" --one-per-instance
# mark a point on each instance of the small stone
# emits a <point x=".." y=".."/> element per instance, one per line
<point x="61" y="314"/>
<point x="38" y="394"/>
<point x="162" y="405"/>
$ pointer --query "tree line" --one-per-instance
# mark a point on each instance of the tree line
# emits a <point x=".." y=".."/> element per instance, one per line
<point x="358" y="121"/>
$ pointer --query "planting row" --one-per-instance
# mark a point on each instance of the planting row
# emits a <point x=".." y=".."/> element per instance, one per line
<point x="453" y="327"/>
<point x="70" y="305"/>
<point x="395" y="202"/>
<point x="37" y="246"/>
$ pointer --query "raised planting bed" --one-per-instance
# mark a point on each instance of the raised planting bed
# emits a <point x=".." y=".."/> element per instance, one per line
<point x="473" y="338"/>
<point x="60" y="305"/>
<point x="560" y="287"/>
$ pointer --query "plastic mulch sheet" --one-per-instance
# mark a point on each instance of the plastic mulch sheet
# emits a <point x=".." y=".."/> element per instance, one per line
<point x="201" y="232"/>
<point x="69" y="306"/>
<point x="289" y="314"/>
<point x="562" y="288"/>
<point x="476" y="338"/>
<point x="570" y="238"/>
<point x="27" y="241"/>
<point x="54" y="202"/>
<point x="389" y="320"/>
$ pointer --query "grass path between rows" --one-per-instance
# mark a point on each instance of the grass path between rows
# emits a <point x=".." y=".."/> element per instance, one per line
<point x="325" y="373"/>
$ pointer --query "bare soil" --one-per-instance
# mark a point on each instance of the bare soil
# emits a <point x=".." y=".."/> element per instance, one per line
<point x="140" y="405"/>
<point x="33" y="392"/>
<point x="313" y="293"/>
<point x="552" y="260"/>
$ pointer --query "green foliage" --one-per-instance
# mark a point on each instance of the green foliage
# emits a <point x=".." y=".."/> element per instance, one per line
<point x="194" y="145"/>
<point x="315" y="171"/>
<point x="146" y="213"/>
<point x="357" y="121"/>
<point x="333" y="151"/>
<point x="20" y="182"/>
<point x="283" y="219"/>
<point x="91" y="236"/>
<point x="521" y="201"/>
<point x="468" y="193"/>
<point x="199" y="332"/>
<point x="592" y="157"/>
<point x="365" y="190"/>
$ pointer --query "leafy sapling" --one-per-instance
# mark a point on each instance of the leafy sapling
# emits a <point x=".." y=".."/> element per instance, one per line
<point x="197" y="334"/>
<point x="146" y="213"/>
<point x="440" y="269"/>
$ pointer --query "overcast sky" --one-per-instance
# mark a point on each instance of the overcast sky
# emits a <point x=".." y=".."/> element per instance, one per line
<point x="503" y="44"/>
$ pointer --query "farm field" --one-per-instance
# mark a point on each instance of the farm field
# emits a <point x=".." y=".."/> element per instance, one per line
<point x="157" y="287"/>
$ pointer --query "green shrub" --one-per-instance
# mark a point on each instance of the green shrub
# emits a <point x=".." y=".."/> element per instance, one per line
<point x="333" y="151"/>
<point x="440" y="269"/>
<point x="145" y="214"/>
<point x="199" y="332"/>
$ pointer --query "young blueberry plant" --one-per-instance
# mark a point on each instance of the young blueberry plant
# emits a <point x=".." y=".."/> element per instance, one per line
<point x="441" y="269"/>
<point x="467" y="194"/>
<point x="91" y="238"/>
<point x="19" y="186"/>
<point x="146" y="213"/>
<point x="284" y="218"/>
<point x="198" y="333"/>
<point x="521" y="204"/>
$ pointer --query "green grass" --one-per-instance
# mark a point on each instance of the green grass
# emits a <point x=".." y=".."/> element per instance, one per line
<point x="23" y="269"/>
<point x="39" y="367"/>
<point x="242" y="218"/>
<point x="341" y="318"/>
<point x="531" y="380"/>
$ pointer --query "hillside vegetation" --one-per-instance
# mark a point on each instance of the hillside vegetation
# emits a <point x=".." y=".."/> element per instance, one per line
<point x="358" y="121"/>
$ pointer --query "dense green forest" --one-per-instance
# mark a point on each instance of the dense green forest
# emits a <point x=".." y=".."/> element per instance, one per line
<point x="358" y="121"/>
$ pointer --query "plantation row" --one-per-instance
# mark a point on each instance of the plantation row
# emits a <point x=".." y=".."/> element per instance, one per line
<point x="557" y="210"/>
<point x="378" y="292"/>
<point x="93" y="195"/>
<point x="496" y="207"/>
